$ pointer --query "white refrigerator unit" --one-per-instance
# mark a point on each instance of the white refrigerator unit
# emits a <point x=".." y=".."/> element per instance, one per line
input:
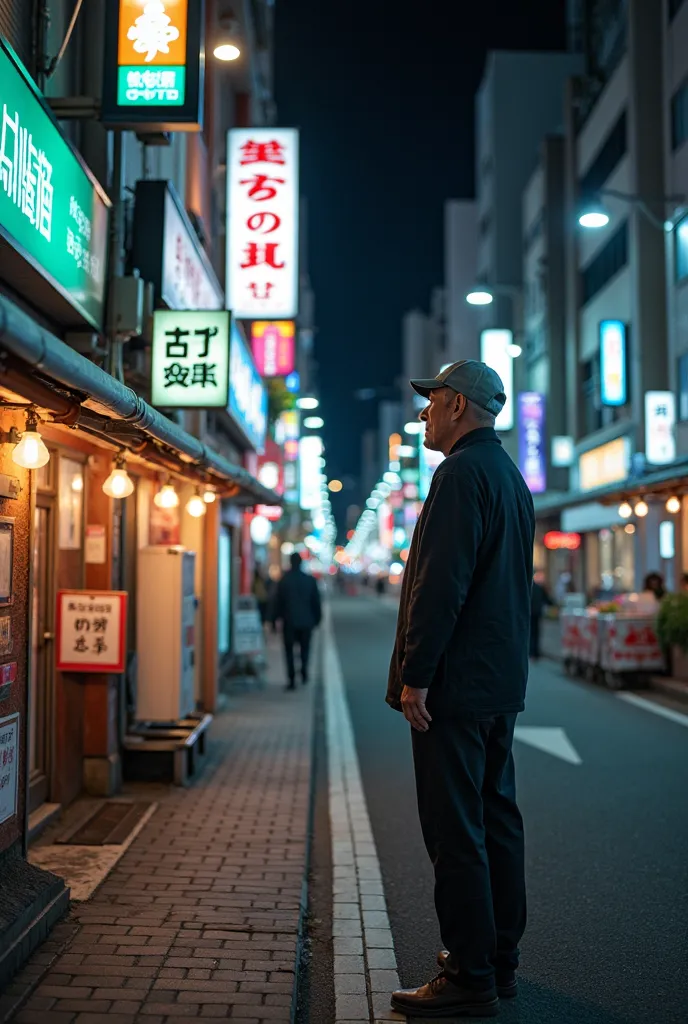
<point x="165" y="626"/>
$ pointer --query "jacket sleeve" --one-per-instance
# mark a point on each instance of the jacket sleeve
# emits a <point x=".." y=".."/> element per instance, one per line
<point x="316" y="604"/>
<point x="447" y="554"/>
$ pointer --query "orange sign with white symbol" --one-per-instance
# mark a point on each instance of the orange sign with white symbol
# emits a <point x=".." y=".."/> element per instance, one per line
<point x="152" y="32"/>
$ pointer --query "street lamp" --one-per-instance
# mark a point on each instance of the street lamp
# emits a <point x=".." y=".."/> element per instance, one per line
<point x="593" y="214"/>
<point x="480" y="297"/>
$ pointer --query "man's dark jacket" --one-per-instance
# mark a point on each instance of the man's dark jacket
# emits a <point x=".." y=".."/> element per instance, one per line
<point x="464" y="614"/>
<point x="297" y="602"/>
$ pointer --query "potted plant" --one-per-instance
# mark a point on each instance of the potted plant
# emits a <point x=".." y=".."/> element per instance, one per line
<point x="672" y="630"/>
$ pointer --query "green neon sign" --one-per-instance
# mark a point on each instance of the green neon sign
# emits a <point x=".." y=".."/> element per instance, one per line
<point x="151" y="87"/>
<point x="53" y="213"/>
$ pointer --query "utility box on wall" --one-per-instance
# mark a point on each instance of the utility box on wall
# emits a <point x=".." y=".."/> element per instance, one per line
<point x="166" y="612"/>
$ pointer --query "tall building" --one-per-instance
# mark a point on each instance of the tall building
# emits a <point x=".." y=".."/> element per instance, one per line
<point x="460" y="275"/>
<point x="112" y="460"/>
<point x="520" y="100"/>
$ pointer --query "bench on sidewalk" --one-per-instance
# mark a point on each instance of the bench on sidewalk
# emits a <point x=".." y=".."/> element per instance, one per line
<point x="167" y="751"/>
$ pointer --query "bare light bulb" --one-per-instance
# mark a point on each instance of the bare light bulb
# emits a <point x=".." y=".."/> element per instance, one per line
<point x="209" y="496"/>
<point x="195" y="506"/>
<point x="625" y="510"/>
<point x="119" y="484"/>
<point x="673" y="505"/>
<point x="31" y="452"/>
<point x="166" y="497"/>
<point x="641" y="509"/>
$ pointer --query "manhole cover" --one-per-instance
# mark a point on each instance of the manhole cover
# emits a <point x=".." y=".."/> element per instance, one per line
<point x="110" y="824"/>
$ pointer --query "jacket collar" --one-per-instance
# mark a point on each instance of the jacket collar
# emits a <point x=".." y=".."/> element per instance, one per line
<point x="480" y="436"/>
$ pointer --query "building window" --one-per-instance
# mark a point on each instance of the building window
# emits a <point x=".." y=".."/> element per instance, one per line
<point x="612" y="258"/>
<point x="679" y="116"/>
<point x="674" y="7"/>
<point x="592" y="412"/>
<point x="607" y="159"/>
<point x="681" y="243"/>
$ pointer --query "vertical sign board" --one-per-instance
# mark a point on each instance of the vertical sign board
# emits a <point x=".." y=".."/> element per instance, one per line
<point x="190" y="359"/>
<point x="310" y="452"/>
<point x="531" y="440"/>
<point x="248" y="397"/>
<point x="91" y="630"/>
<point x="273" y="345"/>
<point x="263" y="227"/>
<point x="167" y="252"/>
<point x="154" y="64"/>
<point x="53" y="213"/>
<point x="660" y="424"/>
<point x="613" y="370"/>
<point x="495" y="347"/>
<point x="9" y="766"/>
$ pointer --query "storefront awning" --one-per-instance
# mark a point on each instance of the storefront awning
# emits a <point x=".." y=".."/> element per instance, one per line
<point x="84" y="396"/>
<point x="659" y="481"/>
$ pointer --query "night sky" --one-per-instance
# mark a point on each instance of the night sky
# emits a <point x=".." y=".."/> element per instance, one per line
<point x="383" y="94"/>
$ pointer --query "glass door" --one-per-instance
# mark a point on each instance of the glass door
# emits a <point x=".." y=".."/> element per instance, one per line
<point x="42" y="651"/>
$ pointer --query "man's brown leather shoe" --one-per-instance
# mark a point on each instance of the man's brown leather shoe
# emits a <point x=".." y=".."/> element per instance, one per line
<point x="507" y="985"/>
<point x="442" y="998"/>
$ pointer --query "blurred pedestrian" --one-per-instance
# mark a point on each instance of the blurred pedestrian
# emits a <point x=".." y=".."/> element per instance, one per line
<point x="458" y="673"/>
<point x="261" y="593"/>
<point x="298" y="608"/>
<point x="654" y="583"/>
<point x="539" y="601"/>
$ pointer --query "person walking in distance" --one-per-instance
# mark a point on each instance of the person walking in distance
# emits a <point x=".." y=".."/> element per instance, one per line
<point x="539" y="601"/>
<point x="298" y="607"/>
<point x="458" y="673"/>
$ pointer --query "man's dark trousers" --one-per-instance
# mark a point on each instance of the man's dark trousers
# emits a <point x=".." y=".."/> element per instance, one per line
<point x="473" y="831"/>
<point x="302" y="637"/>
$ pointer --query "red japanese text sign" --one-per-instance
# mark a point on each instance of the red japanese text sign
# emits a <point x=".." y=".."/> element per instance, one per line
<point x="263" y="221"/>
<point x="91" y="630"/>
<point x="272" y="343"/>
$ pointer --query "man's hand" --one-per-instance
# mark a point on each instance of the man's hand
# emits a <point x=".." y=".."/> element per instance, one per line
<point x="413" y="706"/>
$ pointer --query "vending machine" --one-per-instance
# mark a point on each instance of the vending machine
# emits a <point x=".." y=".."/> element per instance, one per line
<point x="166" y="615"/>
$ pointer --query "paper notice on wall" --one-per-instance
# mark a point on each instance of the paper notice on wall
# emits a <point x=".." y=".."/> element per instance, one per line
<point x="9" y="765"/>
<point x="96" y="545"/>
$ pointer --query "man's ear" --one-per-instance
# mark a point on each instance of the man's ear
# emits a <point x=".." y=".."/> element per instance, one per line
<point x="459" y="406"/>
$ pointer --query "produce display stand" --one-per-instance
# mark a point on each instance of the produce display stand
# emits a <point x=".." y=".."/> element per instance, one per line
<point x="619" y="650"/>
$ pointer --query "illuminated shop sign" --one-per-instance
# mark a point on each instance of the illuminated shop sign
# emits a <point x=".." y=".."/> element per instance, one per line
<point x="613" y="372"/>
<point x="53" y="213"/>
<point x="608" y="464"/>
<point x="154" y="61"/>
<point x="248" y="398"/>
<point x="190" y="359"/>
<point x="531" y="440"/>
<point x="273" y="346"/>
<point x="495" y="350"/>
<point x="263" y="223"/>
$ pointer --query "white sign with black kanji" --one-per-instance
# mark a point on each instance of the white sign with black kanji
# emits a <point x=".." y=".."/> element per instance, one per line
<point x="190" y="359"/>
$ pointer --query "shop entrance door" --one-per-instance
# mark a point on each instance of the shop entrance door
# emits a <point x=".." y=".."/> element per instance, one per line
<point x="42" y="651"/>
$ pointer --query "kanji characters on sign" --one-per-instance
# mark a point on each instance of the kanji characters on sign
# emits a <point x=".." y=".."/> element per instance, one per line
<point x="190" y="364"/>
<point x="91" y="631"/>
<point x="26" y="173"/>
<point x="262" y="238"/>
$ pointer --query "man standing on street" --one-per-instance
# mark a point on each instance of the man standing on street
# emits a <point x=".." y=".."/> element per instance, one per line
<point x="297" y="605"/>
<point x="458" y="673"/>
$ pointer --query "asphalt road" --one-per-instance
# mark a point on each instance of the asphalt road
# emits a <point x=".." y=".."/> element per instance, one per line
<point x="607" y="842"/>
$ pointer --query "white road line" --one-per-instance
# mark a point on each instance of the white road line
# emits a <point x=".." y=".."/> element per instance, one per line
<point x="365" y="966"/>
<point x="656" y="709"/>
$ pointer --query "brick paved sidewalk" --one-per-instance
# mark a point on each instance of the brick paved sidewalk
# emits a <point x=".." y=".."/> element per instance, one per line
<point x="200" y="917"/>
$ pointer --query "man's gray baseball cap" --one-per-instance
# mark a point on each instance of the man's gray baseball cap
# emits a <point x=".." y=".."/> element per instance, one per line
<point x="476" y="381"/>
